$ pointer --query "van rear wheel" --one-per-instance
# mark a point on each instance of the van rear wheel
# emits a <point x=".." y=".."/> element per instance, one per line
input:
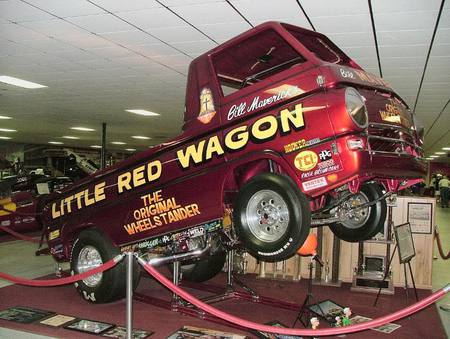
<point x="204" y="269"/>
<point x="366" y="222"/>
<point x="90" y="250"/>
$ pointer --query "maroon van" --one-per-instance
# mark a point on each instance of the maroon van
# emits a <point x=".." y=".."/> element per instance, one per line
<point x="282" y="132"/>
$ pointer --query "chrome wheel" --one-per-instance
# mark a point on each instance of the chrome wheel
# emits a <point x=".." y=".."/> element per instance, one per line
<point x="88" y="259"/>
<point x="267" y="216"/>
<point x="358" y="217"/>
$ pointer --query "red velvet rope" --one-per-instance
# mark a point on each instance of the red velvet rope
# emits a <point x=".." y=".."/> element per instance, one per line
<point x="289" y="331"/>
<point x="62" y="281"/>
<point x="439" y="245"/>
<point x="18" y="235"/>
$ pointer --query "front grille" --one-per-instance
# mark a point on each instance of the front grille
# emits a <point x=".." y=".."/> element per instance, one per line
<point x="393" y="140"/>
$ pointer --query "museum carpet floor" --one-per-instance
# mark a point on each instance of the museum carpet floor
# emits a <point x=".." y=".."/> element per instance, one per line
<point x="65" y="300"/>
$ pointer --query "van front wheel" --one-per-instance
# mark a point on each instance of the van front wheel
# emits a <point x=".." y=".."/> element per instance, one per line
<point x="271" y="217"/>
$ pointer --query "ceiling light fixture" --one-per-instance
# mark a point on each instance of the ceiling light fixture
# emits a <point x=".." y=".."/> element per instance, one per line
<point x="140" y="137"/>
<point x="19" y="82"/>
<point x="130" y="149"/>
<point x="4" y="117"/>
<point x="446" y="148"/>
<point x="56" y="142"/>
<point x="440" y="153"/>
<point x="70" y="137"/>
<point x="142" y="112"/>
<point x="83" y="129"/>
<point x="4" y="138"/>
<point x="118" y="143"/>
<point x="7" y="130"/>
<point x="434" y="156"/>
<point x="96" y="146"/>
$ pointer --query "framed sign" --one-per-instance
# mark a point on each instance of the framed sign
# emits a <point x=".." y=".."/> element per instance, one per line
<point x="405" y="242"/>
<point x="420" y="216"/>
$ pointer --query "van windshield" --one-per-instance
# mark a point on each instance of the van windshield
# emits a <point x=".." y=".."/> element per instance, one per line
<point x="322" y="47"/>
<point x="253" y="60"/>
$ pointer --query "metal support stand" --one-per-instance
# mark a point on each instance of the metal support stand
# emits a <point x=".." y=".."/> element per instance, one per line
<point x="129" y="295"/>
<point x="103" y="150"/>
<point x="176" y="281"/>
<point x="304" y="314"/>
<point x="230" y="263"/>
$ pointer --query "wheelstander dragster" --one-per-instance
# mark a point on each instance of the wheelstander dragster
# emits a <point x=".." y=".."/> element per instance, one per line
<point x="282" y="131"/>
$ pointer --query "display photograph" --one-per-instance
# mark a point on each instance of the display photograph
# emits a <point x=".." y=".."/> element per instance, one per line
<point x="238" y="164"/>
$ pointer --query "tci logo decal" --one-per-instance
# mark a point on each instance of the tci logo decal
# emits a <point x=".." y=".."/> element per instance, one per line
<point x="306" y="160"/>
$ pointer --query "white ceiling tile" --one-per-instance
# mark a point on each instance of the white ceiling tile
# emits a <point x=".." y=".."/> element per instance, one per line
<point x="223" y="32"/>
<point x="125" y="6"/>
<point x="45" y="44"/>
<point x="344" y="24"/>
<point x="352" y="39"/>
<point x="152" y="18"/>
<point x="403" y="51"/>
<point x="209" y="13"/>
<point x="100" y="23"/>
<point x="111" y="52"/>
<point x="389" y="7"/>
<point x="18" y="11"/>
<point x="421" y="20"/>
<point x="195" y="48"/>
<point x="67" y="8"/>
<point x="403" y="37"/>
<point x="184" y="33"/>
<point x="442" y="36"/>
<point x="130" y="37"/>
<point x="445" y="17"/>
<point x="316" y="8"/>
<point x="267" y="10"/>
<point x="174" y="3"/>
<point x="18" y="33"/>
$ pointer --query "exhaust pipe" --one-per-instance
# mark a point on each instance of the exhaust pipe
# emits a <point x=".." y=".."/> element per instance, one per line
<point x="158" y="261"/>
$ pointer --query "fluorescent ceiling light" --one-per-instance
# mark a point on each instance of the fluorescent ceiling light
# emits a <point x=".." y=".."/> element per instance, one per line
<point x="7" y="130"/>
<point x="140" y="137"/>
<point x="96" y="146"/>
<point x="434" y="156"/>
<point x="19" y="82"/>
<point x="429" y="158"/>
<point x="4" y="138"/>
<point x="446" y="148"/>
<point x="142" y="112"/>
<point x="130" y="149"/>
<point x="4" y="117"/>
<point x="118" y="143"/>
<point x="83" y="129"/>
<point x="70" y="137"/>
<point x="439" y="153"/>
<point x="56" y="142"/>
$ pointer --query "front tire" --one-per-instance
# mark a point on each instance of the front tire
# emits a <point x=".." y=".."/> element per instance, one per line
<point x="91" y="249"/>
<point x="272" y="217"/>
<point x="367" y="222"/>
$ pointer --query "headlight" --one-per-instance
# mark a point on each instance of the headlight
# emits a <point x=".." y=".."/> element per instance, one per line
<point x="356" y="108"/>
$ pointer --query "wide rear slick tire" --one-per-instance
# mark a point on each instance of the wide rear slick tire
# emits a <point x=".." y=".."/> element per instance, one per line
<point x="374" y="219"/>
<point x="91" y="249"/>
<point x="272" y="217"/>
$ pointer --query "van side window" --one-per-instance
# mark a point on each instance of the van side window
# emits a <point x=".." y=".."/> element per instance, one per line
<point x="253" y="60"/>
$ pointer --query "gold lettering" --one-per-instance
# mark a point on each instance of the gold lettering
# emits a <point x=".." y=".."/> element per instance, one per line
<point x="213" y="146"/>
<point x="138" y="176"/>
<point x="295" y="118"/>
<point x="123" y="182"/>
<point x="241" y="138"/>
<point x="99" y="192"/>
<point x="268" y="132"/>
<point x="55" y="213"/>
<point x="193" y="151"/>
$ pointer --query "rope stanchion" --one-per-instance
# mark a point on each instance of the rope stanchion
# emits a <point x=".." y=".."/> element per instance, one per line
<point x="18" y="235"/>
<point x="62" y="281"/>
<point x="289" y="331"/>
<point x="439" y="245"/>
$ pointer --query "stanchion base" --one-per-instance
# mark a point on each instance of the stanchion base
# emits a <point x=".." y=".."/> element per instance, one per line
<point x="322" y="282"/>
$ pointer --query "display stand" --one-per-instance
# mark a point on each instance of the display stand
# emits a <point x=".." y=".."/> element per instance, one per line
<point x="405" y="245"/>
<point x="367" y="280"/>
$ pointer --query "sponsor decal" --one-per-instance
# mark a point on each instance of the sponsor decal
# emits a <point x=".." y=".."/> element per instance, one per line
<point x="325" y="155"/>
<point x="392" y="112"/>
<point x="314" y="183"/>
<point x="262" y="130"/>
<point x="306" y="160"/>
<point x="5" y="223"/>
<point x="299" y="144"/>
<point x="58" y="249"/>
<point x="345" y="73"/>
<point x="178" y="236"/>
<point x="53" y="235"/>
<point x="238" y="110"/>
<point x="207" y="110"/>
<point x="158" y="211"/>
